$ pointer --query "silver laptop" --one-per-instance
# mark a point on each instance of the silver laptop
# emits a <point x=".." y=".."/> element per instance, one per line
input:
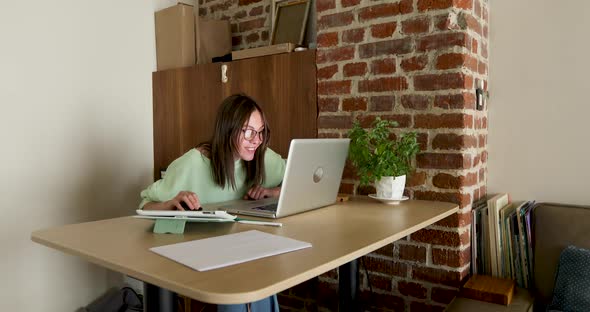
<point x="312" y="179"/>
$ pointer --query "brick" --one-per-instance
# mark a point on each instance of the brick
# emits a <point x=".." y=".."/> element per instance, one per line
<point x="484" y="50"/>
<point x="385" y="302"/>
<point x="386" y="250"/>
<point x="327" y="295"/>
<point x="411" y="289"/>
<point x="327" y="72"/>
<point x="402" y="119"/>
<point x="253" y="37"/>
<point x="446" y="22"/>
<point x="414" y="63"/>
<point x="416" y="306"/>
<point x="328" y="104"/>
<point x="442" y="41"/>
<point x="463" y="200"/>
<point x="433" y="82"/>
<point x="482" y="175"/>
<point x="473" y="24"/>
<point x="474" y="46"/>
<point x="354" y="69"/>
<point x="379" y="11"/>
<point x="386" y="266"/>
<point x="451" y="258"/>
<point x="423" y="141"/>
<point x="335" y="20"/>
<point x="383" y="84"/>
<point x="412" y="253"/>
<point x="334" y="122"/>
<point x="450" y="60"/>
<point x="353" y="35"/>
<point x="451" y="141"/>
<point x="251" y="25"/>
<point x="365" y="190"/>
<point x="380" y="282"/>
<point x="438" y="237"/>
<point x="437" y="276"/>
<point x="416" y="178"/>
<point x="482" y="68"/>
<point x="354" y="104"/>
<point x="247" y="2"/>
<point x="327" y="39"/>
<point x="414" y="101"/>
<point x="482" y="139"/>
<point x="450" y="121"/>
<point x="381" y="103"/>
<point x="221" y="7"/>
<point x="426" y="5"/>
<point x="443" y="161"/>
<point x="239" y="15"/>
<point x="447" y="181"/>
<point x="383" y="67"/>
<point x="264" y="35"/>
<point x="443" y="295"/>
<point x="384" y="30"/>
<point x="335" y="55"/>
<point x="416" y="25"/>
<point x="389" y="47"/>
<point x="349" y="3"/>
<point x="324" y="5"/>
<point x="464" y="4"/>
<point x="334" y="87"/>
<point x="256" y="11"/>
<point x="455" y="101"/>
<point x="455" y="220"/>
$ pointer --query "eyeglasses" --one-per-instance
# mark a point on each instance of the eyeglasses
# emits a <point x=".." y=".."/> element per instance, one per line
<point x="250" y="134"/>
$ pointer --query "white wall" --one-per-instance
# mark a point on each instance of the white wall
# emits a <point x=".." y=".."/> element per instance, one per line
<point x="539" y="110"/>
<point x="76" y="137"/>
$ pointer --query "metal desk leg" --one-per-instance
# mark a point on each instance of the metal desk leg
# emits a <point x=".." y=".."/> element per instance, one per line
<point x="158" y="299"/>
<point x="348" y="276"/>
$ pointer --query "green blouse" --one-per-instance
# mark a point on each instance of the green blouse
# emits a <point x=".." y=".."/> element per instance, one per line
<point x="192" y="172"/>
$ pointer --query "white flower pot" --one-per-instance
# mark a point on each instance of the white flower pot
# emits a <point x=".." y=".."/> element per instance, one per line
<point x="391" y="187"/>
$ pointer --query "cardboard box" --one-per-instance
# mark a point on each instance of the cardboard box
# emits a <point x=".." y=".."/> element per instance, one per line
<point x="175" y="37"/>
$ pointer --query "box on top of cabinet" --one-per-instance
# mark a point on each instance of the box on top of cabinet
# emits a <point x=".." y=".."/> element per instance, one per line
<point x="175" y="37"/>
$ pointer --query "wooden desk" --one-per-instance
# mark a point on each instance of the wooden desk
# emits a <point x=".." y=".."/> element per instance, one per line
<point x="339" y="234"/>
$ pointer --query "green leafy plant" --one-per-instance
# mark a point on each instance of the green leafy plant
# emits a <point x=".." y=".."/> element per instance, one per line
<point x="375" y="155"/>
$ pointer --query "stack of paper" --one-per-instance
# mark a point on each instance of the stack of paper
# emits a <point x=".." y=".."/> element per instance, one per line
<point x="216" y="252"/>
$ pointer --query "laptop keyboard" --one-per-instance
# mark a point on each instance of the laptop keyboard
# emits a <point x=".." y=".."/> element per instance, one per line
<point x="269" y="207"/>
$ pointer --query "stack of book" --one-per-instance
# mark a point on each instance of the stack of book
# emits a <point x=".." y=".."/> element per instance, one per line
<point x="501" y="238"/>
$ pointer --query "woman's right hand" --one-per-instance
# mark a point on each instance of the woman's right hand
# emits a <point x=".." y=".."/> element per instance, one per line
<point x="191" y="199"/>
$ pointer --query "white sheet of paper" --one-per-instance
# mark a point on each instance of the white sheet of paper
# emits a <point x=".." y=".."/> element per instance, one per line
<point x="217" y="252"/>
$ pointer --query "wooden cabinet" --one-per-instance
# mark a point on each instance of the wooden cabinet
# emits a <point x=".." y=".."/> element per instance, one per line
<point x="186" y="101"/>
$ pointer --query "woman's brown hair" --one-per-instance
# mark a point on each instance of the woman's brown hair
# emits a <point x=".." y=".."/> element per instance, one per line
<point x="233" y="113"/>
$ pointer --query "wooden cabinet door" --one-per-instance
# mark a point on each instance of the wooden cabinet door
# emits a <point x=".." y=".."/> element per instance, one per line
<point x="186" y="101"/>
<point x="185" y="104"/>
<point x="284" y="85"/>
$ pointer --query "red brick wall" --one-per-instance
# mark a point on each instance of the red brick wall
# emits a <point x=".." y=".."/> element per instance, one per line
<point x="250" y="20"/>
<point x="416" y="62"/>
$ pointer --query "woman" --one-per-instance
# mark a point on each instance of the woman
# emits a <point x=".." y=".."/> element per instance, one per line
<point x="235" y="163"/>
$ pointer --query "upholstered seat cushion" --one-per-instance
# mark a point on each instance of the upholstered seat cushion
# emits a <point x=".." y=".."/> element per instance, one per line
<point x="572" y="284"/>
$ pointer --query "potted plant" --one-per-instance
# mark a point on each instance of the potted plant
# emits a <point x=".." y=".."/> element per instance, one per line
<point x="381" y="160"/>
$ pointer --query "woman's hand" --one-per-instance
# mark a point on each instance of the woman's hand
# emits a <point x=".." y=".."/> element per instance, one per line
<point x="184" y="200"/>
<point x="190" y="199"/>
<point x="259" y="192"/>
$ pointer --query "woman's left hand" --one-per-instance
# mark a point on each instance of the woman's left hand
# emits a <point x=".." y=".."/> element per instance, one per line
<point x="259" y="192"/>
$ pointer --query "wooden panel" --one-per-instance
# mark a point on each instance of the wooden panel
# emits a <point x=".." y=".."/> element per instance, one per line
<point x="185" y="103"/>
<point x="285" y="87"/>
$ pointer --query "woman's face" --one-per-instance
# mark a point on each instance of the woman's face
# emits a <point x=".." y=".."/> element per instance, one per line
<point x="250" y="137"/>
